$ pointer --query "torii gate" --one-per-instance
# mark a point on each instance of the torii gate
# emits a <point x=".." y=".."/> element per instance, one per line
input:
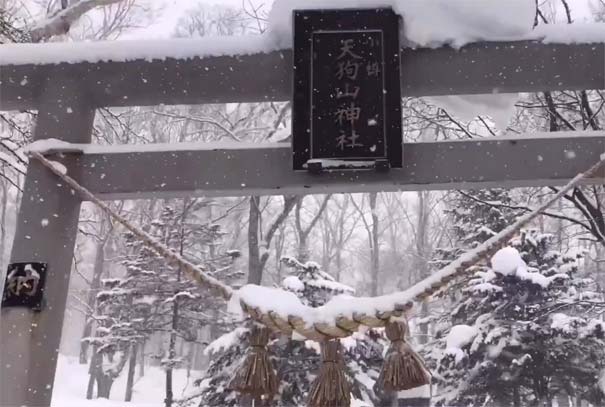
<point x="67" y="91"/>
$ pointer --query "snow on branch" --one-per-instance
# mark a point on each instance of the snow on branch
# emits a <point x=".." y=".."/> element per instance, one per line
<point x="225" y="341"/>
<point x="61" y="21"/>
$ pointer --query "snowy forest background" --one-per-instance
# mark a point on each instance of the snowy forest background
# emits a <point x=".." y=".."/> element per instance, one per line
<point x="136" y="330"/>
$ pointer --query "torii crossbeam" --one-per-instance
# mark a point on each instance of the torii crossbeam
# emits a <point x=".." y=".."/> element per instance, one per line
<point x="67" y="92"/>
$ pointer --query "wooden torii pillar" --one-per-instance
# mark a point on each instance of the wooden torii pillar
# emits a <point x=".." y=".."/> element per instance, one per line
<point x="67" y="94"/>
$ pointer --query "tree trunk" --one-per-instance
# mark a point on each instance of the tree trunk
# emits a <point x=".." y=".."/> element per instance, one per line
<point x="563" y="400"/>
<point x="598" y="263"/>
<point x="414" y="402"/>
<point x="142" y="359"/>
<point x="338" y="263"/>
<point x="256" y="259"/>
<point x="560" y="226"/>
<point x="131" y="367"/>
<point x="190" y="357"/>
<point x="516" y="397"/>
<point x="422" y="256"/>
<point x="84" y="345"/>
<point x="302" y="232"/>
<point x="172" y="350"/>
<point x="279" y="249"/>
<point x="255" y="275"/>
<point x="95" y="365"/>
<point x="326" y="246"/>
<point x="340" y="239"/>
<point x="95" y="285"/>
<point x="104" y="380"/>
<point x="375" y="250"/>
<point x="169" y="394"/>
<point x="303" y="248"/>
<point x="195" y="350"/>
<point x="104" y="383"/>
<point x="3" y="224"/>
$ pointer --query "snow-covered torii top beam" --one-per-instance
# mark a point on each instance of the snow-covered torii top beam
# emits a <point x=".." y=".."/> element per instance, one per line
<point x="430" y="24"/>
<point x="56" y="53"/>
<point x="488" y="49"/>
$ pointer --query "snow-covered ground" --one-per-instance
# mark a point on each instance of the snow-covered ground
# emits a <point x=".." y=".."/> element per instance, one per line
<point x="72" y="378"/>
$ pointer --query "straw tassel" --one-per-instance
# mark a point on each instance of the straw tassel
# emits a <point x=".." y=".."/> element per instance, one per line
<point x="403" y="369"/>
<point x="255" y="376"/>
<point x="331" y="387"/>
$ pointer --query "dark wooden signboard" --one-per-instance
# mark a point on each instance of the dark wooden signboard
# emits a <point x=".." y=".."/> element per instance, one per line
<point x="24" y="285"/>
<point x="347" y="99"/>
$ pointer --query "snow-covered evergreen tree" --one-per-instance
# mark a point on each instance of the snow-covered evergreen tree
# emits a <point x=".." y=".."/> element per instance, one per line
<point x="502" y="345"/>
<point x="479" y="215"/>
<point x="522" y="333"/>
<point x="154" y="297"/>
<point x="118" y="331"/>
<point x="476" y="216"/>
<point x="296" y="362"/>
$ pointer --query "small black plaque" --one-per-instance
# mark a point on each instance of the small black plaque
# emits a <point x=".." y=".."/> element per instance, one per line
<point x="347" y="97"/>
<point x="24" y="285"/>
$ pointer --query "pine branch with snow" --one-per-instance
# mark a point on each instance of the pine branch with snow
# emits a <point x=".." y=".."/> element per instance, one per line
<point x="518" y="323"/>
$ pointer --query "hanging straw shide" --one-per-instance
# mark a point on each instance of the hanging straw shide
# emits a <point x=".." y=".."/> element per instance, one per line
<point x="255" y="376"/>
<point x="331" y="387"/>
<point x="403" y="369"/>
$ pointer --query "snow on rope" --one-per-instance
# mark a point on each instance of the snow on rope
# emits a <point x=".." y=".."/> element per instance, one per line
<point x="341" y="317"/>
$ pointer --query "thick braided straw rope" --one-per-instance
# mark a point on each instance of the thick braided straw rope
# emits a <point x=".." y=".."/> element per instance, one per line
<point x="341" y="326"/>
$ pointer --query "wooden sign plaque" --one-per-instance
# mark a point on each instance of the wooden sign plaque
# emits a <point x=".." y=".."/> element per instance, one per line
<point x="24" y="285"/>
<point x="347" y="98"/>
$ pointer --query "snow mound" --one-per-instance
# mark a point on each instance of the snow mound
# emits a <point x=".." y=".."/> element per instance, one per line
<point x="427" y="23"/>
<point x="293" y="283"/>
<point x="48" y="145"/>
<point x="145" y="299"/>
<point x="330" y="285"/>
<point x="565" y="323"/>
<point x="267" y="299"/>
<point x="576" y="33"/>
<point x="416" y="392"/>
<point x="484" y="288"/>
<point x="506" y="261"/>
<point x="538" y="278"/>
<point x="460" y="336"/>
<point x="130" y="50"/>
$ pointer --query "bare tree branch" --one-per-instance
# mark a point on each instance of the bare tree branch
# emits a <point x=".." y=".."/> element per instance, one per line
<point x="200" y="120"/>
<point x="526" y="209"/>
<point x="61" y="21"/>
